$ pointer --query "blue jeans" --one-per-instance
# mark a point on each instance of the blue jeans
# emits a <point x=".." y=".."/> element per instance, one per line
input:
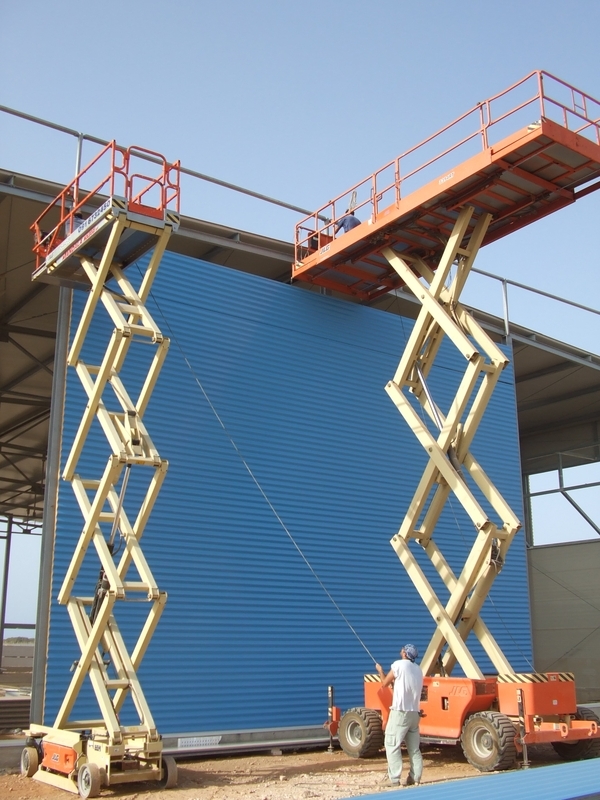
<point x="403" y="726"/>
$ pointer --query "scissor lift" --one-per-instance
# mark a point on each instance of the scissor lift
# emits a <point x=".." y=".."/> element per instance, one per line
<point x="87" y="239"/>
<point x="415" y="242"/>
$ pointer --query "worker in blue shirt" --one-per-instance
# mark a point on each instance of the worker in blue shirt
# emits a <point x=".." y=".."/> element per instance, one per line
<point x="347" y="222"/>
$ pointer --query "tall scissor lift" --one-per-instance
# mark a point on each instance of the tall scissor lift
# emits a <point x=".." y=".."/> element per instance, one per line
<point x="87" y="239"/>
<point x="425" y="240"/>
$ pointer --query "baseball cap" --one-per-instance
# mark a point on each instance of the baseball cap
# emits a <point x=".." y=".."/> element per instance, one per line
<point x="411" y="652"/>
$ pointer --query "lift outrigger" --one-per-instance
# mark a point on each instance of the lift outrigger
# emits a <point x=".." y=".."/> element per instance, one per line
<point x="414" y="241"/>
<point x="86" y="239"/>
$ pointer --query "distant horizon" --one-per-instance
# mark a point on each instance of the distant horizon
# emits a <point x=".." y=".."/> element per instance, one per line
<point x="19" y="640"/>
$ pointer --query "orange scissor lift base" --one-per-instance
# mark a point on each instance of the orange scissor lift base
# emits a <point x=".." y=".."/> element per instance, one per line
<point x="549" y="705"/>
<point x="535" y="169"/>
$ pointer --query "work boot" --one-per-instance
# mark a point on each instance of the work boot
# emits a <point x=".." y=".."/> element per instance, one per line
<point x="410" y="781"/>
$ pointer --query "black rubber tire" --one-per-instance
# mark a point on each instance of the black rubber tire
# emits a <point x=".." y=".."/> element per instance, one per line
<point x="488" y="741"/>
<point x="169" y="773"/>
<point x="29" y="761"/>
<point x="583" y="748"/>
<point x="89" y="780"/>
<point x="361" y="733"/>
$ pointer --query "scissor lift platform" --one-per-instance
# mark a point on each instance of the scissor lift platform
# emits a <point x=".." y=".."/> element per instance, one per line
<point x="79" y="222"/>
<point x="521" y="171"/>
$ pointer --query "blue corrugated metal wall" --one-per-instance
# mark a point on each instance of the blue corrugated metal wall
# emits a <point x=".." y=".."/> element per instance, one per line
<point x="578" y="781"/>
<point x="249" y="639"/>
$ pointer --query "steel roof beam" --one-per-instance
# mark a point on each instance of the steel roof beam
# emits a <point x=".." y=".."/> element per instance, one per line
<point x="563" y="398"/>
<point x="25" y="484"/>
<point x="571" y="422"/>
<point x="7" y="329"/>
<point x="23" y="376"/>
<point x="30" y="419"/>
<point x="9" y="190"/>
<point x="30" y="355"/>
<point x="542" y="373"/>
<point x="10" y="505"/>
<point x="31" y="452"/>
<point x="25" y="300"/>
<point x="231" y="244"/>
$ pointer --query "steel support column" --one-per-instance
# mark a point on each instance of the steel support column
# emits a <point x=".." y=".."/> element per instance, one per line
<point x="5" y="571"/>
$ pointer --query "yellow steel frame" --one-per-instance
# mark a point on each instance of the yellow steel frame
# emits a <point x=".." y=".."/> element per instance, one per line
<point x="112" y="670"/>
<point x="451" y="467"/>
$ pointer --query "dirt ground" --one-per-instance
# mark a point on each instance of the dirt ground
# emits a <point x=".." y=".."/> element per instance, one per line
<point x="275" y="775"/>
<point x="304" y="775"/>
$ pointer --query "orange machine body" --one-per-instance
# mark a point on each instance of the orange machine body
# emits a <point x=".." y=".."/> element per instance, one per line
<point x="541" y="698"/>
<point x="542" y="705"/>
<point x="548" y="706"/>
<point x="445" y="703"/>
<point x="58" y="758"/>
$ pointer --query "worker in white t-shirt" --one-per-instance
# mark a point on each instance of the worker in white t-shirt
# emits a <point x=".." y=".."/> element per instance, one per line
<point x="403" y="722"/>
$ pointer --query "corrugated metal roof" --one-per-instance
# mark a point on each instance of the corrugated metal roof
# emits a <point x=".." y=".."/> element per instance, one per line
<point x="249" y="640"/>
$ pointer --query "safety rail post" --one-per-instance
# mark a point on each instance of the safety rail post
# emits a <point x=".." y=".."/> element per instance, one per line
<point x="505" y="308"/>
<point x="374" y="197"/>
<point x="540" y="78"/>
<point x="78" y="154"/>
<point x="483" y="123"/>
<point x="119" y="752"/>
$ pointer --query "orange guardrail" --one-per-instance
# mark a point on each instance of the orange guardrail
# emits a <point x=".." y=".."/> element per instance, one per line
<point x="537" y="95"/>
<point x="146" y="195"/>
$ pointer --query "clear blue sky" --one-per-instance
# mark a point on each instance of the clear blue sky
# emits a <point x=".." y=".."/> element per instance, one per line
<point x="298" y="101"/>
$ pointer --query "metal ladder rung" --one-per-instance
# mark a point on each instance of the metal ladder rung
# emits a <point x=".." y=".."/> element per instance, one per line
<point x="142" y="330"/>
<point x="128" y="308"/>
<point x="135" y="730"/>
<point x="84" y="724"/>
<point x="117" y="683"/>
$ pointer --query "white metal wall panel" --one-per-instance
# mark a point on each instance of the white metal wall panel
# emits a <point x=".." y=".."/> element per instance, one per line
<point x="249" y="639"/>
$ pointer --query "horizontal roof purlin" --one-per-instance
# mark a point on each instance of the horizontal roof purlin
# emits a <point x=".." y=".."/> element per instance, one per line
<point x="528" y="174"/>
